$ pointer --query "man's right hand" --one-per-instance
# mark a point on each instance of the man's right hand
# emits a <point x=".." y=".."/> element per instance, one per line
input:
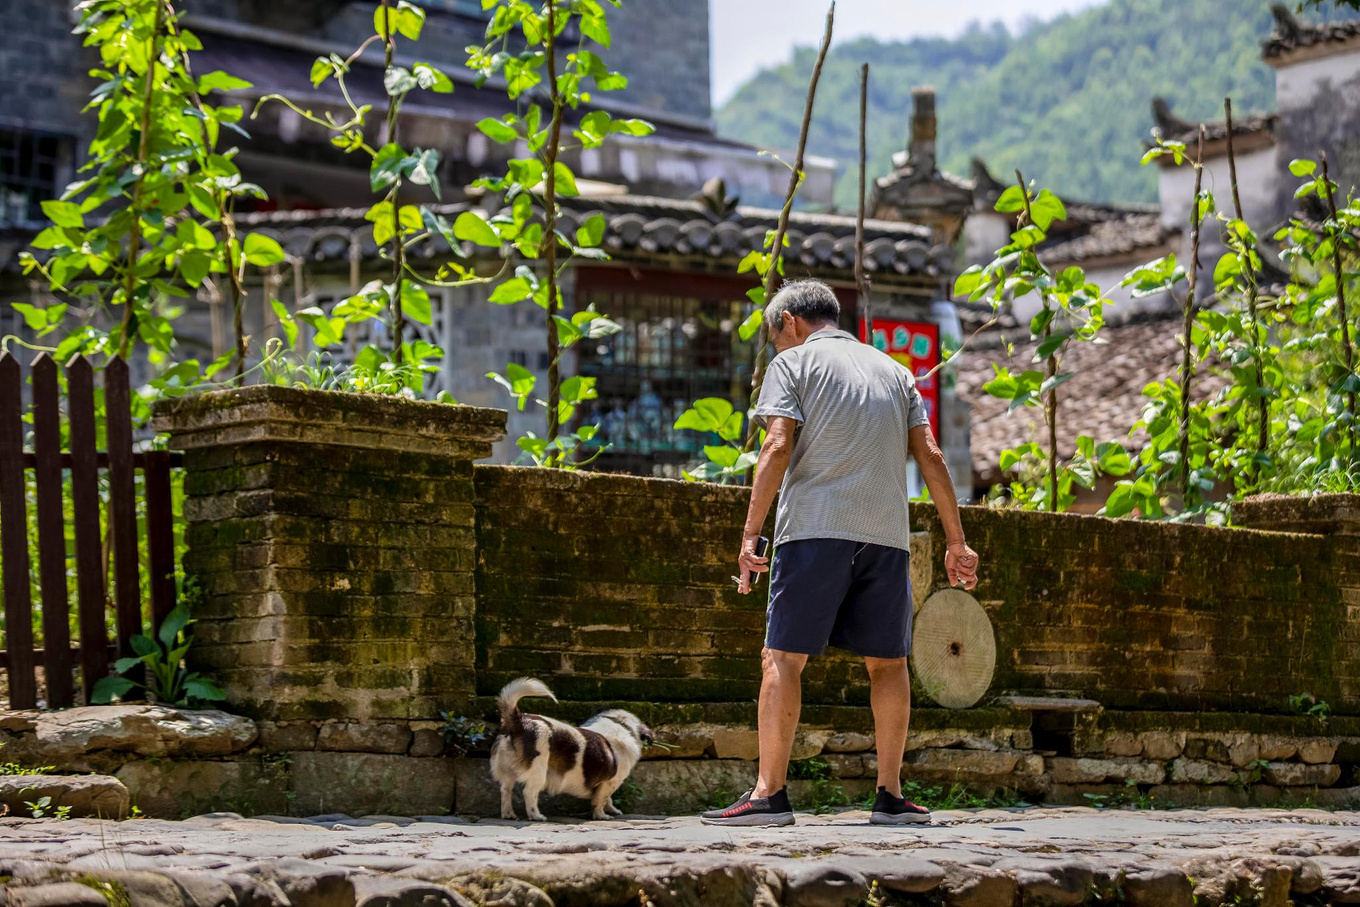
<point x="748" y="564"/>
<point x="960" y="564"/>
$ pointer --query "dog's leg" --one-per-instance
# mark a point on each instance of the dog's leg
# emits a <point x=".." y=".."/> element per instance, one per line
<point x="602" y="805"/>
<point x="534" y="783"/>
<point x="508" y="800"/>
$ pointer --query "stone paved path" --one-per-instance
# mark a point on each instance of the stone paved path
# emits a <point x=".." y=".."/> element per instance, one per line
<point x="979" y="859"/>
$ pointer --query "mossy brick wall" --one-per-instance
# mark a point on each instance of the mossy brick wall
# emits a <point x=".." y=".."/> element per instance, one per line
<point x="333" y="538"/>
<point x="614" y="587"/>
<point x="1143" y="615"/>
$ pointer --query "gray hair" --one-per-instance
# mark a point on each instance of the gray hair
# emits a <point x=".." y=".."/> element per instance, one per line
<point x="810" y="300"/>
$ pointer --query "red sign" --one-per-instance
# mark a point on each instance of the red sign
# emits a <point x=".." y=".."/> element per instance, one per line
<point x="915" y="344"/>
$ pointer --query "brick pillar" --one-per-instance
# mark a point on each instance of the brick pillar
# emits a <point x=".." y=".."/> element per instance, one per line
<point x="333" y="539"/>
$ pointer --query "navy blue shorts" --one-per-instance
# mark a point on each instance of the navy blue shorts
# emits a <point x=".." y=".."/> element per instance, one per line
<point x="851" y="595"/>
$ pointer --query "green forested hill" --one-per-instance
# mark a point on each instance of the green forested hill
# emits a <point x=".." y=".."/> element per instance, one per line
<point x="1068" y="101"/>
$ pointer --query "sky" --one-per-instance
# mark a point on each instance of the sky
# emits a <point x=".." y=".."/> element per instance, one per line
<point x="750" y="34"/>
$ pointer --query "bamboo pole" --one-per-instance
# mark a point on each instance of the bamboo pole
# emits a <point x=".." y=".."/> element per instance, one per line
<point x="398" y="248"/>
<point x="861" y="276"/>
<point x="1187" y="366"/>
<point x="1341" y="300"/>
<point x="795" y="179"/>
<point x="1249" y="274"/>
<point x="1050" y="370"/>
<point x="550" y="225"/>
<point x="143" y="152"/>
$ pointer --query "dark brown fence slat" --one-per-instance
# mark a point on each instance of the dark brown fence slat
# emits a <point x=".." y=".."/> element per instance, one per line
<point x="160" y="534"/>
<point x="47" y="465"/>
<point x="94" y="656"/>
<point x="23" y="684"/>
<point x="122" y="503"/>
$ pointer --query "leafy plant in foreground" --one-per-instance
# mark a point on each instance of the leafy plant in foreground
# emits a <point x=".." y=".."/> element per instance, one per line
<point x="163" y="655"/>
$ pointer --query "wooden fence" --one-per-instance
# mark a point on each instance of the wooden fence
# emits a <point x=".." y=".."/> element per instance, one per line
<point x="83" y="461"/>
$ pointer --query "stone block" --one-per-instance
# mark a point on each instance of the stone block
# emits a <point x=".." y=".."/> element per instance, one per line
<point x="1160" y="746"/>
<point x="1194" y="771"/>
<point x="687" y="741"/>
<point x="959" y="765"/>
<point x="364" y="737"/>
<point x="1096" y="771"/>
<point x="1277" y="749"/>
<point x="1318" y="750"/>
<point x="87" y="796"/>
<point x="1299" y="774"/>
<point x="426" y="742"/>
<point x="177" y="789"/>
<point x="1245" y="750"/>
<point x="366" y="783"/>
<point x="845" y="765"/>
<point x="851" y="742"/>
<point x="287" y="736"/>
<point x="1123" y="743"/>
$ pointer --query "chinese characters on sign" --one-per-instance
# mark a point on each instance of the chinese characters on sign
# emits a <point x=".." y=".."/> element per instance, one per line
<point x="915" y="344"/>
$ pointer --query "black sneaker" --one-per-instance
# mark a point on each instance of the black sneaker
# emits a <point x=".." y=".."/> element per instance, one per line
<point x="890" y="810"/>
<point x="753" y="811"/>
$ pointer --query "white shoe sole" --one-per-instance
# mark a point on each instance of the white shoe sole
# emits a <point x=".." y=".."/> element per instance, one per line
<point x="757" y="820"/>
<point x="898" y="819"/>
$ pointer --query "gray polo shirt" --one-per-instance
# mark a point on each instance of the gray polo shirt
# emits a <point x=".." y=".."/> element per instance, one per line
<point x="847" y="478"/>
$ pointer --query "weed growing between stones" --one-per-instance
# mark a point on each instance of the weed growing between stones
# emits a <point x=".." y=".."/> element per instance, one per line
<point x="814" y="769"/>
<point x="42" y="809"/>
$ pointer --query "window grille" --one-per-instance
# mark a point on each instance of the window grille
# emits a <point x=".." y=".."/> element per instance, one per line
<point x="33" y="168"/>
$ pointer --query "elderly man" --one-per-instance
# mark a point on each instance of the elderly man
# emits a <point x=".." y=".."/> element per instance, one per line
<point x="841" y="419"/>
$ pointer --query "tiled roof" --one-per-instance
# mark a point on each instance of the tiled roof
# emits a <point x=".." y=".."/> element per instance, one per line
<point x="1175" y="129"/>
<point x="1114" y="236"/>
<point x="1104" y="400"/>
<point x="1290" y="34"/>
<point x="645" y="227"/>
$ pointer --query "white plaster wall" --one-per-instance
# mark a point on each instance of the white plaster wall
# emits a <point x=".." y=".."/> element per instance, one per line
<point x="984" y="233"/>
<point x="1258" y="178"/>
<point x="1298" y="83"/>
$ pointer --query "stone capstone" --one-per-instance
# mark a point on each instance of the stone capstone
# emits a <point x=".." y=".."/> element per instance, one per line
<point x="67" y="739"/>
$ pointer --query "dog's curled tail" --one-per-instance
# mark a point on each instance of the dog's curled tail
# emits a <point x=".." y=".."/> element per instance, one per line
<point x="513" y="692"/>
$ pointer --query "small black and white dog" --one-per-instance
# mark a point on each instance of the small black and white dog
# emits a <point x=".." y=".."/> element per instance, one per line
<point x="545" y="754"/>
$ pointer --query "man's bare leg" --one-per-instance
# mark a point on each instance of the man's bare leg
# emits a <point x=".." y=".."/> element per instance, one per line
<point x="781" y="699"/>
<point x="890" y="697"/>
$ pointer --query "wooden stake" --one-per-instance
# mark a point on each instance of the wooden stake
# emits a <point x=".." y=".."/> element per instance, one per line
<point x="1189" y="316"/>
<point x="1341" y="299"/>
<point x="1249" y="274"/>
<point x="796" y="178"/>
<point x="861" y="276"/>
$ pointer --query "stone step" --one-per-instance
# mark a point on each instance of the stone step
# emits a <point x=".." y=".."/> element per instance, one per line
<point x="77" y="796"/>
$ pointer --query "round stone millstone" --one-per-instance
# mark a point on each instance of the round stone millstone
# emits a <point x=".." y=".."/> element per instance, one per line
<point x="953" y="649"/>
